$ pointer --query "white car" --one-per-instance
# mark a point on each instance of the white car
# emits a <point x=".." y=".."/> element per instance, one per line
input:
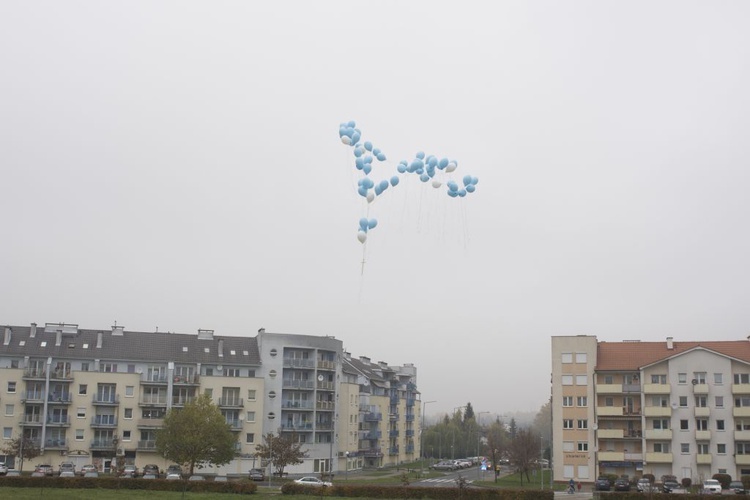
<point x="711" y="487"/>
<point x="312" y="481"/>
<point x="173" y="476"/>
<point x="3" y="469"/>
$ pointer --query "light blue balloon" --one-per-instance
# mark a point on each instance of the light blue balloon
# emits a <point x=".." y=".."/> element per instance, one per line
<point x="452" y="194"/>
<point x="367" y="169"/>
<point x="420" y="155"/>
<point x="351" y="124"/>
<point x="372" y="223"/>
<point x="378" y="190"/>
<point x="358" y="152"/>
<point x="368" y="145"/>
<point x="443" y="163"/>
<point x="367" y="183"/>
<point x="474" y="180"/>
<point x="420" y="171"/>
<point x="462" y="193"/>
<point x="368" y="159"/>
<point x="383" y="185"/>
<point x="432" y="162"/>
<point x="356" y="137"/>
<point x="376" y="151"/>
<point x="471" y="188"/>
<point x="424" y="177"/>
<point x="416" y="165"/>
<point x="467" y="180"/>
<point x="362" y="191"/>
<point x="381" y="157"/>
<point x="363" y="223"/>
<point x="401" y="168"/>
<point x="394" y="180"/>
<point x="452" y="186"/>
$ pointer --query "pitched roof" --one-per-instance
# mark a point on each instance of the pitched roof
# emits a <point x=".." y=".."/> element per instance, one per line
<point x="131" y="346"/>
<point x="635" y="355"/>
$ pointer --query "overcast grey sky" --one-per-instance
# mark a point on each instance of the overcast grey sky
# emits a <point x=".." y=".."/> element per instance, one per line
<point x="177" y="164"/>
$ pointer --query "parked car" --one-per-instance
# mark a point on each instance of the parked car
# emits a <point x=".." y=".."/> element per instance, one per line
<point x="150" y="476"/>
<point x="221" y="479"/>
<point x="312" y="481"/>
<point x="174" y="469"/>
<point x="256" y="475"/>
<point x="196" y="477"/>
<point x="68" y="467"/>
<point x="643" y="485"/>
<point x="47" y="469"/>
<point x="36" y="474"/>
<point x="670" y="485"/>
<point x="444" y="466"/>
<point x="602" y="484"/>
<point x="13" y="473"/>
<point x="67" y="473"/>
<point x="3" y="469"/>
<point x="151" y="469"/>
<point x="88" y="468"/>
<point x="622" y="485"/>
<point x="737" y="487"/>
<point x="173" y="476"/>
<point x="92" y="473"/>
<point x="129" y="470"/>
<point x="711" y="487"/>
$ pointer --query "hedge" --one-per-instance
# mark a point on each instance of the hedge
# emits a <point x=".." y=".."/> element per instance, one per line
<point x="244" y="486"/>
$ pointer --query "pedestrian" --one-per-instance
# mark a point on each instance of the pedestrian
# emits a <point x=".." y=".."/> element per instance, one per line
<point x="571" y="486"/>
<point x="579" y="486"/>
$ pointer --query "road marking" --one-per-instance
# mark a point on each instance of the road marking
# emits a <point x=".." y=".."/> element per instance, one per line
<point x="440" y="480"/>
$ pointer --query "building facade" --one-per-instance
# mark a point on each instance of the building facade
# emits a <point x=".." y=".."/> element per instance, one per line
<point x="99" y="396"/>
<point x="664" y="408"/>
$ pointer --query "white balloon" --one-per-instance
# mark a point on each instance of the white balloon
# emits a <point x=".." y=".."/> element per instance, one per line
<point x="362" y="236"/>
<point x="370" y="196"/>
<point x="450" y="168"/>
<point x="436" y="184"/>
<point x="346" y="140"/>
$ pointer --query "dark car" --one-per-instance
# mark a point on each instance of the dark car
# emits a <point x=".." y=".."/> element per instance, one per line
<point x="737" y="487"/>
<point x="151" y="469"/>
<point x="46" y="469"/>
<point x="670" y="485"/>
<point x="602" y="484"/>
<point x="622" y="485"/>
<point x="256" y="474"/>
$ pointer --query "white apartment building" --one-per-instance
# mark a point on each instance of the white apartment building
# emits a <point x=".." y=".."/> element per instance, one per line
<point x="664" y="408"/>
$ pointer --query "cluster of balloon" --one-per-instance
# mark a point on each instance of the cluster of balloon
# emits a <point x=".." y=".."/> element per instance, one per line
<point x="428" y="168"/>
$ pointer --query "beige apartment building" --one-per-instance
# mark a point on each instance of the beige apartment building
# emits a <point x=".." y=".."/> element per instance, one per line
<point x="664" y="408"/>
<point x="99" y="396"/>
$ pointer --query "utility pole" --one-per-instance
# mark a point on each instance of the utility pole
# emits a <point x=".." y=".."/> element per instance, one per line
<point x="421" y="437"/>
<point x="479" y="438"/>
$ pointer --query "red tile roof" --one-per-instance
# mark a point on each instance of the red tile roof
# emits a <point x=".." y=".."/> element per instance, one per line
<point x="634" y="355"/>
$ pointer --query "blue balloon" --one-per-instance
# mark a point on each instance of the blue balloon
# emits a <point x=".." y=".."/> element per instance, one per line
<point x="372" y="223"/>
<point x="359" y="163"/>
<point x="368" y="145"/>
<point x="424" y="177"/>
<point x="470" y="188"/>
<point x="401" y="168"/>
<point x="367" y="169"/>
<point x="368" y="159"/>
<point x="420" y="155"/>
<point x="394" y="180"/>
<point x="381" y="157"/>
<point x="376" y="151"/>
<point x="415" y="165"/>
<point x="452" y="186"/>
<point x="467" y="180"/>
<point x="378" y="190"/>
<point x="367" y="183"/>
<point x="432" y="162"/>
<point x="462" y="193"/>
<point x="474" y="180"/>
<point x="356" y="137"/>
<point x="358" y="152"/>
<point x="452" y="194"/>
<point x="363" y="223"/>
<point x="383" y="185"/>
<point x="362" y="191"/>
<point x="443" y="163"/>
<point x="351" y="124"/>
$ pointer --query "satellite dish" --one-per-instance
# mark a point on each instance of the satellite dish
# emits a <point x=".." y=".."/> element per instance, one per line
<point x="674" y="405"/>
<point x="219" y="367"/>
<point x="366" y="382"/>
<point x="320" y="378"/>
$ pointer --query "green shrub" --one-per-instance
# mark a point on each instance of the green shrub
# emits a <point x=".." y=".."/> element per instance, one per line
<point x="686" y="482"/>
<point x="115" y="483"/>
<point x="724" y="479"/>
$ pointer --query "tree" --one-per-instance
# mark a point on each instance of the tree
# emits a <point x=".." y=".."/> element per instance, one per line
<point x="22" y="448"/>
<point x="468" y="413"/>
<point x="497" y="443"/>
<point x="281" y="450"/>
<point x="513" y="428"/>
<point x="197" y="434"/>
<point x="542" y="426"/>
<point x="523" y="451"/>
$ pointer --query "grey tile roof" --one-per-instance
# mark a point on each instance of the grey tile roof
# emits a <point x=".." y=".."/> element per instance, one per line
<point x="131" y="346"/>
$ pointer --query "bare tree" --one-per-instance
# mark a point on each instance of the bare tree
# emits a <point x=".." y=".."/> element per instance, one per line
<point x="281" y="450"/>
<point x="497" y="442"/>
<point x="523" y="451"/>
<point x="22" y="448"/>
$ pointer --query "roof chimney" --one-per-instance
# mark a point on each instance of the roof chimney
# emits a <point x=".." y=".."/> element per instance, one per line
<point x="670" y="343"/>
<point x="118" y="331"/>
<point x="99" y="340"/>
<point x="32" y="333"/>
<point x="6" y="338"/>
<point x="364" y="359"/>
<point x="58" y="338"/>
<point x="221" y="348"/>
<point x="261" y="330"/>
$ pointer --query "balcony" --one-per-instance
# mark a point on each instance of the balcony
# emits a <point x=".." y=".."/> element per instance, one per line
<point x="149" y="445"/>
<point x="409" y="433"/>
<point x="65" y="398"/>
<point x="657" y="411"/>
<point x="154" y="379"/>
<point x="324" y="364"/>
<point x="58" y="421"/>
<point x="393" y="415"/>
<point x="703" y="459"/>
<point x="742" y="435"/>
<point x="393" y="450"/>
<point x="56" y="444"/>
<point x="659" y="458"/>
<point x="410" y="402"/>
<point x="634" y="433"/>
<point x="393" y="433"/>
<point x="230" y="403"/>
<point x="33" y="397"/>
<point x="659" y="434"/>
<point x="151" y="422"/>
<point x="31" y="420"/>
<point x="106" y="399"/>
<point x="702" y="435"/>
<point x="611" y="456"/>
<point x="324" y="405"/>
<point x="326" y="386"/>
<point x="299" y="363"/>
<point x="371" y="452"/>
<point x="103" y="421"/>
<point x="34" y="374"/>
<point x="649" y="389"/>
<point x="182" y="400"/>
<point x="609" y="389"/>
<point x="410" y="417"/>
<point x="702" y="411"/>
<point x="373" y="417"/>
<point x="105" y="444"/>
<point x="609" y="411"/>
<point x="370" y="435"/>
<point x="297" y="405"/>
<point x="296" y="427"/>
<point x="151" y="400"/>
<point x="409" y="448"/>
<point x="742" y="459"/>
<point x="700" y="389"/>
<point x="741" y="411"/>
<point x="740" y="388"/>
<point x="394" y="400"/>
<point x="324" y="426"/>
<point x="634" y="457"/>
<point x="61" y="376"/>
<point x="610" y="434"/>
<point x="235" y="424"/>
<point x="297" y="384"/>
<point x="186" y="380"/>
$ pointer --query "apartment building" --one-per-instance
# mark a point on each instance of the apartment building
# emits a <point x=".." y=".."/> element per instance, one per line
<point x="664" y="408"/>
<point x="99" y="396"/>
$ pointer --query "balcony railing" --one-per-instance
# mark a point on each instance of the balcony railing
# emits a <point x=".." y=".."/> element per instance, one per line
<point x="186" y="379"/>
<point x="298" y="426"/>
<point x="324" y="405"/>
<point x="393" y="433"/>
<point x="235" y="424"/>
<point x="371" y="452"/>
<point x="153" y="400"/>
<point x="154" y="378"/>
<point x="324" y="426"/>
<point x="326" y="386"/>
<point x="56" y="444"/>
<point x="394" y="400"/>
<point x="64" y="398"/>
<point x="409" y="432"/>
<point x="106" y="399"/>
<point x="393" y="450"/>
<point x="102" y="444"/>
<point x="373" y="417"/>
<point x="409" y="448"/>
<point x="182" y="400"/>
<point x="325" y="364"/>
<point x="370" y="435"/>
<point x="31" y="420"/>
<point x="298" y="384"/>
<point x="410" y="401"/>
<point x="32" y="397"/>
<point x="231" y="402"/>
<point x="393" y="415"/>
<point x="58" y="420"/>
<point x="151" y="422"/>
<point x="61" y="375"/>
<point x="299" y="363"/>
<point x="410" y="417"/>
<point x="35" y="373"/>
<point x="297" y="405"/>
<point x="103" y="421"/>
<point x="146" y="445"/>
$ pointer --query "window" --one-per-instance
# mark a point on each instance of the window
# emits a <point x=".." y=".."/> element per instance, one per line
<point x="14" y="363"/>
<point x="683" y="401"/>
<point x="658" y="379"/>
<point x="582" y="379"/>
<point x="250" y="416"/>
<point x="82" y="388"/>
<point x="700" y="377"/>
<point x="742" y="401"/>
<point x="85" y="366"/>
<point x="583" y="446"/>
<point x="567" y="400"/>
<point x="701" y="424"/>
<point x="661" y="423"/>
<point x="7" y="432"/>
<point x="684" y="448"/>
<point x="567" y="357"/>
<point x="684" y="426"/>
<point x="583" y="401"/>
<point x="108" y="367"/>
<point x="250" y="438"/>
<point x="609" y="379"/>
<point x="567" y="380"/>
<point x="81" y="413"/>
<point x="682" y="378"/>
<point x="79" y="434"/>
<point x="126" y="435"/>
<point x="273" y="353"/>
<point x="251" y="373"/>
<point x="131" y="368"/>
<point x="129" y="391"/>
<point x="661" y="447"/>
<point x="721" y="449"/>
<point x="583" y="472"/>
<point x="568" y="446"/>
<point x="742" y="448"/>
<point x="11" y="387"/>
<point x="701" y="401"/>
<point x="272" y="394"/>
<point x="742" y="425"/>
<point x="609" y="401"/>
<point x="567" y="423"/>
<point x="251" y="394"/>
<point x="718" y="378"/>
<point x="702" y="448"/>
<point x="661" y="401"/>
<point x="719" y="401"/>
<point x="581" y="357"/>
<point x="128" y="413"/>
<point x="209" y="392"/>
<point x="9" y="410"/>
<point x="742" y="378"/>
<point x="231" y="372"/>
<point x="719" y="425"/>
<point x="583" y="424"/>
<point x="567" y="471"/>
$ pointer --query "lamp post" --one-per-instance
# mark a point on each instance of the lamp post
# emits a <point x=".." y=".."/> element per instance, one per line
<point x="421" y="437"/>
<point x="479" y="437"/>
<point x="346" y="467"/>
<point x="453" y="440"/>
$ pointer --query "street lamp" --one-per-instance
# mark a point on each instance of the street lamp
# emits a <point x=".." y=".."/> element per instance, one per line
<point x="421" y="437"/>
<point x="479" y="437"/>
<point x="346" y="467"/>
<point x="453" y="440"/>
